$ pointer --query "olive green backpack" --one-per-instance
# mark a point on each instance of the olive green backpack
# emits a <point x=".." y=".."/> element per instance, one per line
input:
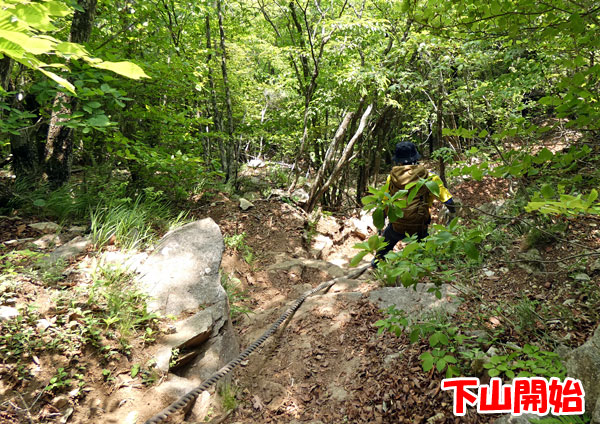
<point x="417" y="211"/>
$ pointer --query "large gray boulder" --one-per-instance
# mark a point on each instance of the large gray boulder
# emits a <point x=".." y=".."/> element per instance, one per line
<point x="182" y="277"/>
<point x="182" y="274"/>
<point x="583" y="364"/>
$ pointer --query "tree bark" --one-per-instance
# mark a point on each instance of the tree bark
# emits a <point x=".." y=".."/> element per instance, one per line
<point x="328" y="159"/>
<point x="6" y="64"/>
<point x="312" y="201"/>
<point x="439" y="137"/>
<point x="59" y="141"/>
<point x="230" y="150"/>
<point x="218" y="125"/>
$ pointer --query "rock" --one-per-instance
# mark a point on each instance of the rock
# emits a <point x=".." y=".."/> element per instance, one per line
<point x="321" y="246"/>
<point x="221" y="348"/>
<point x="47" y="240"/>
<point x="68" y="250"/>
<point x="251" y="195"/>
<point x="583" y="363"/>
<point x="256" y="163"/>
<point x="332" y="270"/>
<point x="17" y="241"/>
<point x="488" y="273"/>
<point x="60" y="401"/>
<point x="43" y="324"/>
<point x="531" y="263"/>
<point x="245" y="204"/>
<point x="46" y="227"/>
<point x="8" y="313"/>
<point x="182" y="274"/>
<point x="129" y="261"/>
<point x="189" y="333"/>
<point x="300" y="195"/>
<point x="415" y="302"/>
<point x="77" y="230"/>
<point x="360" y="227"/>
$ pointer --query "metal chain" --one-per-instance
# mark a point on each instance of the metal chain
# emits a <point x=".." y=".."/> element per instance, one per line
<point x="191" y="396"/>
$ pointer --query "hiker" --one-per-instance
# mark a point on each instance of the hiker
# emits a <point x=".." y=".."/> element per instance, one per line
<point x="416" y="217"/>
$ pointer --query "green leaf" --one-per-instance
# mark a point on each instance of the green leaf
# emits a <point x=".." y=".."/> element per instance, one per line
<point x="547" y="191"/>
<point x="427" y="359"/>
<point x="72" y="49"/>
<point x="543" y="156"/>
<point x="135" y="370"/>
<point x="368" y="199"/>
<point x="493" y="372"/>
<point x="63" y="82"/>
<point x="441" y="364"/>
<point x="433" y="187"/>
<point x="99" y="121"/>
<point x="471" y="250"/>
<point x="359" y="257"/>
<point x="378" y="218"/>
<point x="126" y="69"/>
<point x="58" y="8"/>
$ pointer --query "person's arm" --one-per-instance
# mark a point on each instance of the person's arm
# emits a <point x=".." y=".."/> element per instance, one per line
<point x="444" y="195"/>
<point x="451" y="206"/>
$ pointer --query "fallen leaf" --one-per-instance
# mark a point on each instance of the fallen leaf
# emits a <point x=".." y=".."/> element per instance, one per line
<point x="495" y="322"/>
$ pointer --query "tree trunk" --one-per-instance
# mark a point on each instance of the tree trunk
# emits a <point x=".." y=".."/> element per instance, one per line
<point x="6" y="65"/>
<point x="328" y="159"/>
<point x="317" y="193"/>
<point x="59" y="141"/>
<point x="230" y="150"/>
<point x="218" y="126"/>
<point x="439" y="138"/>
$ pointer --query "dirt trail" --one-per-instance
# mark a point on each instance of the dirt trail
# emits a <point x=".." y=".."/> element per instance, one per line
<point x="328" y="364"/>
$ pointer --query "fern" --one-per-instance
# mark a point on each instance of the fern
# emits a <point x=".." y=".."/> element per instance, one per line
<point x="562" y="419"/>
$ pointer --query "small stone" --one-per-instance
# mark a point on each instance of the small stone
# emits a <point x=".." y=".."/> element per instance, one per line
<point x="245" y="204"/>
<point x="8" y="312"/>
<point x="300" y="195"/>
<point x="47" y="240"/>
<point x="45" y="227"/>
<point x="256" y="163"/>
<point x="548" y="285"/>
<point x="60" y="401"/>
<point x="43" y="324"/>
<point x="489" y="273"/>
<point x="77" y="229"/>
<point x="492" y="351"/>
<point x="131" y="418"/>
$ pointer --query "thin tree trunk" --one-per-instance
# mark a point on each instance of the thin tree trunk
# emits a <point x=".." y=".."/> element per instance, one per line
<point x="328" y="159"/>
<point x="6" y="65"/>
<point x="438" y="136"/>
<point x="231" y="151"/>
<point x="312" y="201"/>
<point x="59" y="141"/>
<point x="213" y="97"/>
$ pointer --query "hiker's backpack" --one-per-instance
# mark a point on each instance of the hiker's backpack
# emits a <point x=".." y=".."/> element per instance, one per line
<point x="416" y="212"/>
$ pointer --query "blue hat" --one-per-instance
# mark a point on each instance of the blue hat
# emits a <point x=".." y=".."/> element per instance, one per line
<point x="406" y="153"/>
